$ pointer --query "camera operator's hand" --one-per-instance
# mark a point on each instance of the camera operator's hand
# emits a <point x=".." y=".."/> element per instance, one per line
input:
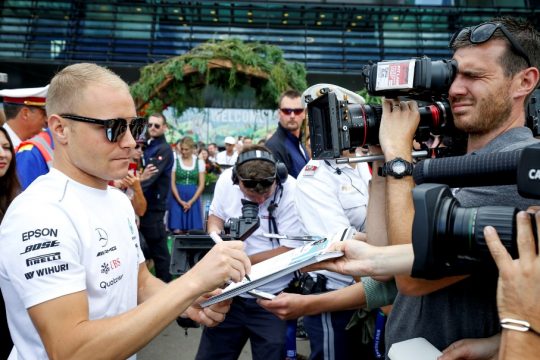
<point x="224" y="262"/>
<point x="361" y="259"/>
<point x="212" y="315"/>
<point x="399" y="122"/>
<point x="473" y="349"/>
<point x="518" y="289"/>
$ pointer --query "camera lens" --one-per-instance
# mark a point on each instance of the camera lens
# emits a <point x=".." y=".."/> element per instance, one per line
<point x="363" y="124"/>
<point x="459" y="231"/>
<point x="448" y="239"/>
<point x="468" y="232"/>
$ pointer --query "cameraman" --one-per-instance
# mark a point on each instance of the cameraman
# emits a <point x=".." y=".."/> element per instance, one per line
<point x="257" y="177"/>
<point x="493" y="81"/>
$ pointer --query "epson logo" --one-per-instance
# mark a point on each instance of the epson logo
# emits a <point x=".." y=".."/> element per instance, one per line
<point x="42" y="259"/>
<point x="39" y="233"/>
<point x="111" y="249"/>
<point x="534" y="174"/>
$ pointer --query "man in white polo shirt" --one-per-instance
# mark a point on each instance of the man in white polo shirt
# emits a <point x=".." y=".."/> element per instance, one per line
<point x="72" y="273"/>
<point x="259" y="178"/>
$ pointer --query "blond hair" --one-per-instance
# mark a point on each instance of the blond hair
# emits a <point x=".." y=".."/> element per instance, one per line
<point x="188" y="141"/>
<point x="67" y="87"/>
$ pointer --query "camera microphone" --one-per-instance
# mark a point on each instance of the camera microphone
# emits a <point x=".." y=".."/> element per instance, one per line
<point x="521" y="167"/>
<point x="336" y="169"/>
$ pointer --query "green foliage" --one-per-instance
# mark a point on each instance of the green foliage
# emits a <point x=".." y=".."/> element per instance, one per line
<point x="210" y="178"/>
<point x="368" y="98"/>
<point x="262" y="67"/>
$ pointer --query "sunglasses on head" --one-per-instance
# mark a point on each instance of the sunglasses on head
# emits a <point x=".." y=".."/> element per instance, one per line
<point x="288" y="111"/>
<point x="481" y="33"/>
<point x="252" y="183"/>
<point x="114" y="128"/>
<point x="157" y="126"/>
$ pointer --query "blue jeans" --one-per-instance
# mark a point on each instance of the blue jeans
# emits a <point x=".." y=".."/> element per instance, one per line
<point x="329" y="340"/>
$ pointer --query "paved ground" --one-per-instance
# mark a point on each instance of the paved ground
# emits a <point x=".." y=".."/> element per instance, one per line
<point x="172" y="343"/>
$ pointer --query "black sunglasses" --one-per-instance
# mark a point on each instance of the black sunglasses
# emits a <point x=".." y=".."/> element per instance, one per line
<point x="252" y="183"/>
<point x="157" y="126"/>
<point x="481" y="33"/>
<point x="288" y="111"/>
<point x="114" y="128"/>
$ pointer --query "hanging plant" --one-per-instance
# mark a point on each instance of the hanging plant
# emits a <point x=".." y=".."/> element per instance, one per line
<point x="228" y="64"/>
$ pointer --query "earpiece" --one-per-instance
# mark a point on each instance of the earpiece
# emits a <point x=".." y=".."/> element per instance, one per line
<point x="281" y="170"/>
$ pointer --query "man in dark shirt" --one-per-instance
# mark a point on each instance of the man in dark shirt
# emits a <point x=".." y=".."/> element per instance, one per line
<point x="498" y="64"/>
<point x="156" y="191"/>
<point x="285" y="143"/>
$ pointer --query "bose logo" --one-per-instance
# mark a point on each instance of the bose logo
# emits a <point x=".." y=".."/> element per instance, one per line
<point x="42" y="245"/>
<point x="534" y="174"/>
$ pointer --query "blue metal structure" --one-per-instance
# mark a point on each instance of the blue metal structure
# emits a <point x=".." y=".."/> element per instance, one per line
<point x="328" y="37"/>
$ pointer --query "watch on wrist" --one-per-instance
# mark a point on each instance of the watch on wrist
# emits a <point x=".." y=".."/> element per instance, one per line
<point x="397" y="168"/>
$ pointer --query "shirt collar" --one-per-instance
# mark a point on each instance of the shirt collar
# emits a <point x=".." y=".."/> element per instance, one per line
<point x="508" y="137"/>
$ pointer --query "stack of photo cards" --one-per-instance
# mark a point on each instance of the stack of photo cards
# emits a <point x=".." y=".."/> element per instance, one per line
<point x="413" y="349"/>
<point x="283" y="264"/>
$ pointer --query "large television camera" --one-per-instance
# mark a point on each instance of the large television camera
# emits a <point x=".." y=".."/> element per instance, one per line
<point x="448" y="239"/>
<point x="190" y="248"/>
<point x="336" y="125"/>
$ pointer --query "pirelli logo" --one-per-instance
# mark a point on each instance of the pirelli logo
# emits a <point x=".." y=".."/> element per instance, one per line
<point x="43" y="259"/>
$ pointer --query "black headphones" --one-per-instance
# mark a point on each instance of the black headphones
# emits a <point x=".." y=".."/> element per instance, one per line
<point x="281" y="170"/>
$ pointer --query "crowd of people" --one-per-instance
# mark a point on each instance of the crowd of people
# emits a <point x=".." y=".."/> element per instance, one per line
<point x="89" y="199"/>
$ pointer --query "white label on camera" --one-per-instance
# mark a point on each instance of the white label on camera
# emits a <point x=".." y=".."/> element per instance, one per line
<point x="395" y="75"/>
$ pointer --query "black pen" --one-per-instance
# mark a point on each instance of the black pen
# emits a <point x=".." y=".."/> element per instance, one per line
<point x="217" y="239"/>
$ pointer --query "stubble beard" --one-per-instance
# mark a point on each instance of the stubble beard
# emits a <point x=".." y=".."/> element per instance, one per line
<point x="490" y="113"/>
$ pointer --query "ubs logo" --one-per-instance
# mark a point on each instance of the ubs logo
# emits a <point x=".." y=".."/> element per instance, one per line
<point x="103" y="238"/>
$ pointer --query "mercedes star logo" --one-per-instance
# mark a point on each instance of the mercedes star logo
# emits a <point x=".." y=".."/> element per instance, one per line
<point x="102" y="237"/>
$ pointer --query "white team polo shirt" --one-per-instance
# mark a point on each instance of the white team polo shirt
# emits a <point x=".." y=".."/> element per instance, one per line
<point x="60" y="237"/>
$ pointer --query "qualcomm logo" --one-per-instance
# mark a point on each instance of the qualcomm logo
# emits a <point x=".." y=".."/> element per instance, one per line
<point x="103" y="238"/>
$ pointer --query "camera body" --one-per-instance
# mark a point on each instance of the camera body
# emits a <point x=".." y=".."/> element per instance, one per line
<point x="419" y="79"/>
<point x="448" y="239"/>
<point x="190" y="248"/>
<point x="337" y="125"/>
<point x="242" y="227"/>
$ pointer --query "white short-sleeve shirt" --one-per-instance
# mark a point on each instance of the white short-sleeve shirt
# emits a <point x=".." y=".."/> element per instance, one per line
<point x="60" y="237"/>
<point x="223" y="159"/>
<point x="330" y="197"/>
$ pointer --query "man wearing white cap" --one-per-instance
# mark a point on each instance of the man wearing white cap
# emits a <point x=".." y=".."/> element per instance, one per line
<point x="229" y="155"/>
<point x="25" y="112"/>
